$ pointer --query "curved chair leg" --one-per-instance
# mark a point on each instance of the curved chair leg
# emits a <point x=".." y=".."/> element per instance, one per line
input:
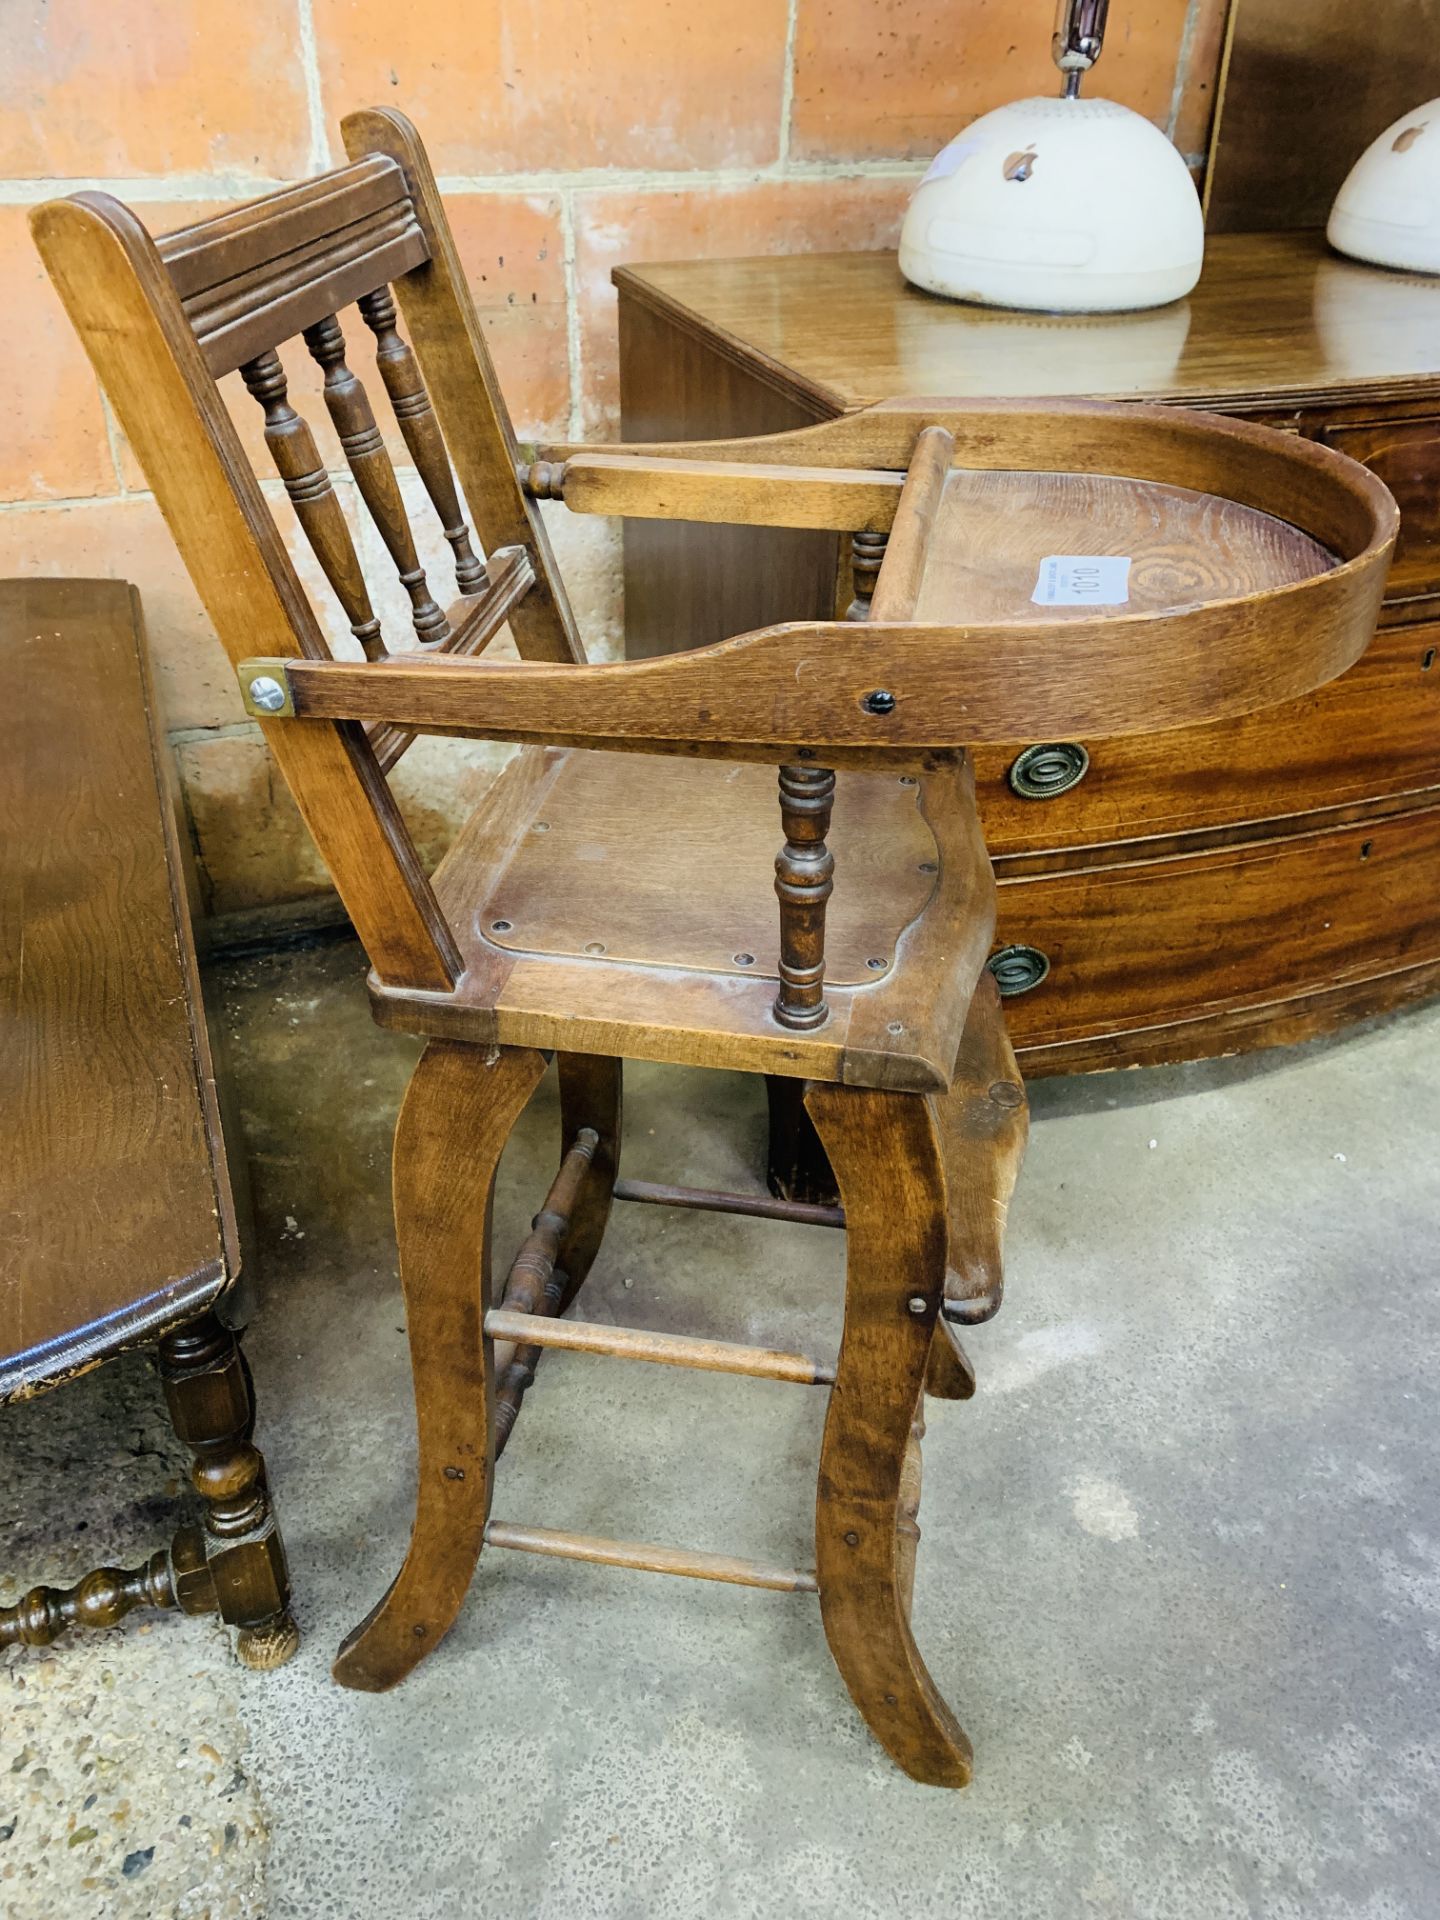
<point x="886" y="1155"/>
<point x="457" y="1114"/>
<point x="590" y="1096"/>
<point x="984" y="1123"/>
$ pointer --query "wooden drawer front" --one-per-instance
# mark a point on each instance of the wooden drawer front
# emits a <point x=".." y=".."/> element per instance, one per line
<point x="1406" y="456"/>
<point x="1143" y="945"/>
<point x="1373" y="732"/>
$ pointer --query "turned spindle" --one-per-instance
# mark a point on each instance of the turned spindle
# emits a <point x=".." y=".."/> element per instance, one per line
<point x="535" y="1284"/>
<point x="101" y="1599"/>
<point x="410" y="403"/>
<point x="292" y="446"/>
<point x="349" y="407"/>
<point x="544" y="479"/>
<point x="804" y="881"/>
<point x="867" y="556"/>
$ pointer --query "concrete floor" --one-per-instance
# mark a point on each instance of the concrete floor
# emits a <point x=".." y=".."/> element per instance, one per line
<point x="1180" y="1575"/>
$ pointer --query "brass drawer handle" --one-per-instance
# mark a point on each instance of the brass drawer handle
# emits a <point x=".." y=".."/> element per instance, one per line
<point x="1043" y="772"/>
<point x="1017" y="969"/>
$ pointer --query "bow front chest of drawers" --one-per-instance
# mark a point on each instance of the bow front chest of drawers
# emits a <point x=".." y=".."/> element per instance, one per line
<point x="1164" y="896"/>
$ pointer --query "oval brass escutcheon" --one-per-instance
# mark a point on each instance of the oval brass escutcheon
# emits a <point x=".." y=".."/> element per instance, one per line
<point x="1040" y="773"/>
<point x="1018" y="968"/>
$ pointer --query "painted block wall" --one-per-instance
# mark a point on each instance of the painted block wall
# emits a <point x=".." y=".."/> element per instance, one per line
<point x="568" y="136"/>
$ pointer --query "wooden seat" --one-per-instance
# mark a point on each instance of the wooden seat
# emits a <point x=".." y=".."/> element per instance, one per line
<point x="610" y="897"/>
<point x="569" y="936"/>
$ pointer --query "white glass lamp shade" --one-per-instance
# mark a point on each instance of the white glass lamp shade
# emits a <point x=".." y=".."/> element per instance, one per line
<point x="1388" y="210"/>
<point x="1062" y="206"/>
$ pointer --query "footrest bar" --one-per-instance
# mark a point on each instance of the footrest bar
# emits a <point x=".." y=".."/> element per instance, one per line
<point x="653" y="1193"/>
<point x="668" y="1349"/>
<point x="560" y="1545"/>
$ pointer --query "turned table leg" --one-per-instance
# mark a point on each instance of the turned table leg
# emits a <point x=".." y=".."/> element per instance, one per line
<point x="207" y="1390"/>
<point x="235" y="1566"/>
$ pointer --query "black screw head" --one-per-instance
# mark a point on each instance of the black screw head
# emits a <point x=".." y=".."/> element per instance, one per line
<point x="880" y="701"/>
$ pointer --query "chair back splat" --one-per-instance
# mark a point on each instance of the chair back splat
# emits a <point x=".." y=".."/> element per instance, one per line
<point x="165" y="320"/>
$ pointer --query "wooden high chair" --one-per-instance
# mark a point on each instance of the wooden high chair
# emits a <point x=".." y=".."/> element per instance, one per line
<point x="601" y="905"/>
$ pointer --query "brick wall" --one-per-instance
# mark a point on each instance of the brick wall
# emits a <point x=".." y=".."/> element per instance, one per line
<point x="568" y="136"/>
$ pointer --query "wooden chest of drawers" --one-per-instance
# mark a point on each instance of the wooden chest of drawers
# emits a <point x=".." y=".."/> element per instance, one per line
<point x="1174" y="895"/>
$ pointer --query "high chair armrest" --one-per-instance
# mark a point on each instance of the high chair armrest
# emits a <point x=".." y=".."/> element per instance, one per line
<point x="889" y="693"/>
<point x="734" y="493"/>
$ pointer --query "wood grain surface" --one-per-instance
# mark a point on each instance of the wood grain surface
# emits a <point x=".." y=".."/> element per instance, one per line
<point x="1184" y="547"/>
<point x="1282" y="916"/>
<point x="582" y="885"/>
<point x="900" y="1026"/>
<point x="1368" y="737"/>
<point x="1274" y="318"/>
<point x="112" y="1221"/>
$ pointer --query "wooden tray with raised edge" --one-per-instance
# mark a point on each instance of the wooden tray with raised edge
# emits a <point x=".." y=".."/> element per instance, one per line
<point x="1256" y="566"/>
<point x="1257" y="563"/>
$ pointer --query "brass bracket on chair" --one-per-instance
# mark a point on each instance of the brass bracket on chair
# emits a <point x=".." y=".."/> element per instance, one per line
<point x="265" y="689"/>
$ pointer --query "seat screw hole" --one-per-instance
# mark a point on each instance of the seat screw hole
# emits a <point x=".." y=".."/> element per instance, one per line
<point x="852" y="1539"/>
<point x="596" y="946"/>
<point x="928" y="866"/>
<point x="501" y="926"/>
<point x="744" y="959"/>
<point x="877" y="966"/>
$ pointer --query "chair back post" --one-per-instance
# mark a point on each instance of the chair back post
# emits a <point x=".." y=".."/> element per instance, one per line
<point x="435" y="300"/>
<point x="121" y="298"/>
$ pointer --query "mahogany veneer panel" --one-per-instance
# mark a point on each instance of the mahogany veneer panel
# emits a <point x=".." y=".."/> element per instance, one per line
<point x="1371" y="734"/>
<point x="1406" y="456"/>
<point x="1279" y="915"/>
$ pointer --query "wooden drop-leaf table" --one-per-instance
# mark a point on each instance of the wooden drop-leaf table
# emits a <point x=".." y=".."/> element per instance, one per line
<point x="118" y="1224"/>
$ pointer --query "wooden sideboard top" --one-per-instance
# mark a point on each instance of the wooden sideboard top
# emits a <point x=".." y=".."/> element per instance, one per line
<point x="1276" y="318"/>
